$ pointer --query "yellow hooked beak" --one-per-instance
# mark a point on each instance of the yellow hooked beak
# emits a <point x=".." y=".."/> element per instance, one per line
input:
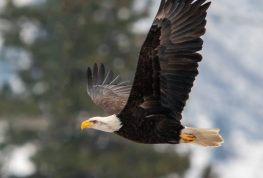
<point x="86" y="124"/>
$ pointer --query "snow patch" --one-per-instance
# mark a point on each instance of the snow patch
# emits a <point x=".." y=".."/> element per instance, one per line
<point x="247" y="161"/>
<point x="19" y="163"/>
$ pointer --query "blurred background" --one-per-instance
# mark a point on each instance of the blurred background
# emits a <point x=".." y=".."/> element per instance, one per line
<point x="45" y="47"/>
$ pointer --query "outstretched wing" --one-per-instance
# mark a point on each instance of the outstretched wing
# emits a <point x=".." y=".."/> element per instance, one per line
<point x="168" y="59"/>
<point x="107" y="90"/>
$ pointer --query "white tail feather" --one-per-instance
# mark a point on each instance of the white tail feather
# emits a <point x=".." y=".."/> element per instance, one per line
<point x="200" y="136"/>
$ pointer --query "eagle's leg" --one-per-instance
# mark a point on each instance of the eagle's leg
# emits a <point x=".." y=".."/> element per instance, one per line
<point x="187" y="138"/>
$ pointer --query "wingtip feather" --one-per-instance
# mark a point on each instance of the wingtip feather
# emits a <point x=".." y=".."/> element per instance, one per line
<point x="101" y="74"/>
<point x="95" y="74"/>
<point x="89" y="77"/>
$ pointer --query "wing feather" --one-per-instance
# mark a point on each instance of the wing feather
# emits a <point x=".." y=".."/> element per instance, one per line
<point x="108" y="91"/>
<point x="168" y="60"/>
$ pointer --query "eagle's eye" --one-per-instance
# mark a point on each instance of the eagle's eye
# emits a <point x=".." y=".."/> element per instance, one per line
<point x="94" y="122"/>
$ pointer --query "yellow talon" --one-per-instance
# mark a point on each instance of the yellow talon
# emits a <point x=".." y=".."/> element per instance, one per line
<point x="187" y="138"/>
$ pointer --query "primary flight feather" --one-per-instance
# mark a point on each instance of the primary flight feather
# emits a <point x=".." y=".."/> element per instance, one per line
<point x="107" y="90"/>
<point x="150" y="110"/>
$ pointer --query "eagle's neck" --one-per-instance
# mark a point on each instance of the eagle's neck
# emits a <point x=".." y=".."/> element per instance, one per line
<point x="108" y="124"/>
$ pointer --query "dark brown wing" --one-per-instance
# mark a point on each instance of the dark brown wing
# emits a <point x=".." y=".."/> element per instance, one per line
<point x="168" y="60"/>
<point x="107" y="90"/>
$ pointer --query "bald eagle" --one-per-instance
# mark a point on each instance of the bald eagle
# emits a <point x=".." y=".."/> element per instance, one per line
<point x="149" y="111"/>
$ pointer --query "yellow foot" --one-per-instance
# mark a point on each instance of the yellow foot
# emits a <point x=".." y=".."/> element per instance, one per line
<point x="187" y="138"/>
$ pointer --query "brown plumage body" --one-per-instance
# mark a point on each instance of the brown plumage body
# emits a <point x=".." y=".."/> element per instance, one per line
<point x="165" y="73"/>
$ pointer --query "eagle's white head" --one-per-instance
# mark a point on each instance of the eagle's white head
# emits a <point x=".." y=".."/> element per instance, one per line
<point x="107" y="124"/>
